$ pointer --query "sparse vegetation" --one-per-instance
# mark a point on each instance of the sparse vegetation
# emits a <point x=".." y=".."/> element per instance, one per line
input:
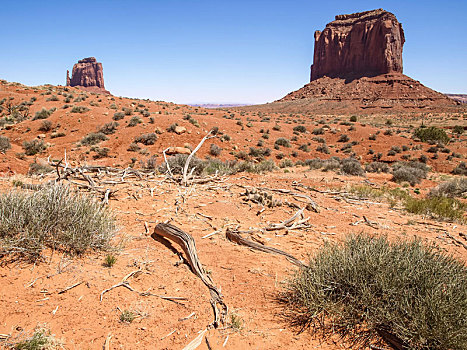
<point x="118" y="116"/>
<point x="460" y="169"/>
<point x="109" y="128"/>
<point x="281" y="141"/>
<point x="453" y="188"/>
<point x="355" y="288"/>
<point x="431" y="134"/>
<point x="299" y="128"/>
<point x="44" y="113"/>
<point x="46" y="126"/>
<point x="127" y="316"/>
<point x="411" y="172"/>
<point x="39" y="169"/>
<point x="135" y="120"/>
<point x="53" y="217"/>
<point x="33" y="147"/>
<point x="377" y="167"/>
<point x="351" y="166"/>
<point x="442" y="208"/>
<point x="79" y="109"/>
<point x="110" y="260"/>
<point x="146" y="139"/>
<point x="42" y="339"/>
<point x="4" y="144"/>
<point x="93" y="138"/>
<point x="215" y="150"/>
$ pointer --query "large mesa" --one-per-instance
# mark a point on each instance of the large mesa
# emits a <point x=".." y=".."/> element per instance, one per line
<point x="87" y="74"/>
<point x="360" y="44"/>
<point x="357" y="65"/>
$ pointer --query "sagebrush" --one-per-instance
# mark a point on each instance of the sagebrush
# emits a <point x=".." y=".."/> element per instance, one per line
<point x="55" y="217"/>
<point x="367" y="288"/>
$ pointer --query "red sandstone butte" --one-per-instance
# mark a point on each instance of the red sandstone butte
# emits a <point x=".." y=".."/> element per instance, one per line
<point x="88" y="75"/>
<point x="360" y="44"/>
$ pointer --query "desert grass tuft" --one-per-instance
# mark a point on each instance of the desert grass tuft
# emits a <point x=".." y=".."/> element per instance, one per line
<point x="54" y="217"/>
<point x="367" y="288"/>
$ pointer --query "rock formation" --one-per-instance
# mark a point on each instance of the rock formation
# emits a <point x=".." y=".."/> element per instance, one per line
<point x="87" y="74"/>
<point x="361" y="44"/>
<point x="357" y="65"/>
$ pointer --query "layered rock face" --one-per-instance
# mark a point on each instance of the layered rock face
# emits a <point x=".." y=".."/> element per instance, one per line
<point x="88" y="75"/>
<point x="358" y="65"/>
<point x="360" y="44"/>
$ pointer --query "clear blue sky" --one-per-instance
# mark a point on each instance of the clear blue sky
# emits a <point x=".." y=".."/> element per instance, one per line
<point x="213" y="50"/>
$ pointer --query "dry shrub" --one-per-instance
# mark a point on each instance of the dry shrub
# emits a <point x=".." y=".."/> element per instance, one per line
<point x="453" y="188"/>
<point x="53" y="217"/>
<point x="368" y="287"/>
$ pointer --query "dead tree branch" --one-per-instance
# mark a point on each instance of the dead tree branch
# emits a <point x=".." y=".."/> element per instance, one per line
<point x="187" y="243"/>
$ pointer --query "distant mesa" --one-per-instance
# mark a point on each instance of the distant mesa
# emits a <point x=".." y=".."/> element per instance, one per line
<point x="88" y="75"/>
<point x="357" y="64"/>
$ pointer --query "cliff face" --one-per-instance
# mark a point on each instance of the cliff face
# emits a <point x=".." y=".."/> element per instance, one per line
<point x="87" y="74"/>
<point x="360" y="44"/>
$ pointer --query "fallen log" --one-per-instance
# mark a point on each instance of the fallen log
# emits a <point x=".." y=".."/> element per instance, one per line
<point x="233" y="235"/>
<point x="187" y="243"/>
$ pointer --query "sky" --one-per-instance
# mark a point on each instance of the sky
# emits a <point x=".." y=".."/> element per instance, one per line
<point x="204" y="51"/>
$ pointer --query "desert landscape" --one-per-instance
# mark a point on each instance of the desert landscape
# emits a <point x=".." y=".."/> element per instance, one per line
<point x="131" y="223"/>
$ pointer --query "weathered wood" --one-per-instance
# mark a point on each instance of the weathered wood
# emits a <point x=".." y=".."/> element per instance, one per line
<point x="234" y="236"/>
<point x="187" y="243"/>
<point x="188" y="160"/>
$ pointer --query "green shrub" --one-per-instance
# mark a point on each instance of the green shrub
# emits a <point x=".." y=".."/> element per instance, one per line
<point x="42" y="339"/>
<point x="100" y="152"/>
<point x="110" y="260"/>
<point x="127" y="316"/>
<point x="285" y="163"/>
<point x="323" y="148"/>
<point x="4" y="144"/>
<point x="458" y="129"/>
<point x="172" y="127"/>
<point x="118" y="116"/>
<point x="438" y="207"/>
<point x="318" y="131"/>
<point x="343" y="138"/>
<point x="368" y="287"/>
<point x="353" y="118"/>
<point x="93" y="138"/>
<point x="460" y="169"/>
<point x="215" y="150"/>
<point x="43" y="113"/>
<point x="299" y="128"/>
<point x="431" y="134"/>
<point x="452" y="188"/>
<point x="109" y="128"/>
<point x="281" y="141"/>
<point x="411" y="172"/>
<point x="133" y="147"/>
<point x="46" y="125"/>
<point x="377" y="167"/>
<point x="79" y="109"/>
<point x="351" y="166"/>
<point x="135" y="120"/>
<point x="146" y="139"/>
<point x="53" y="217"/>
<point x="39" y="169"/>
<point x="33" y="147"/>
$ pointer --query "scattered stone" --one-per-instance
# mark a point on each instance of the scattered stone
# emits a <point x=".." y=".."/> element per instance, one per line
<point x="179" y="130"/>
<point x="178" y="150"/>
